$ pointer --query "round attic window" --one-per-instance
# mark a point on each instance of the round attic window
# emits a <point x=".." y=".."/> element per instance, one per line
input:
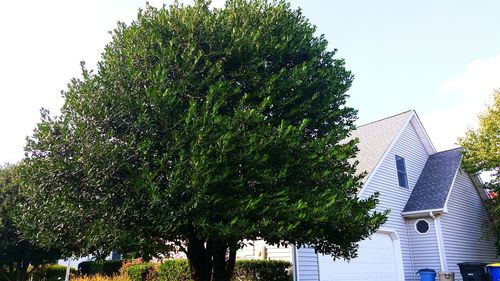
<point x="422" y="226"/>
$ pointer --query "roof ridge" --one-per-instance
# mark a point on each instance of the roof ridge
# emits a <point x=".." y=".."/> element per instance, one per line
<point x="392" y="116"/>
<point x="448" y="150"/>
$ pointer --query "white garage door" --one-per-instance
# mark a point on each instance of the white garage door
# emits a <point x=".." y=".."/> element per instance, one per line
<point x="375" y="262"/>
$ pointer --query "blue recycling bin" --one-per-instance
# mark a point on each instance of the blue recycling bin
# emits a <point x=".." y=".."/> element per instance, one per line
<point x="427" y="274"/>
<point x="494" y="271"/>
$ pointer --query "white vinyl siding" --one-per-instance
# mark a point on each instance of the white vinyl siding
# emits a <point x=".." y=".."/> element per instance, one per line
<point x="307" y="263"/>
<point x="385" y="181"/>
<point x="424" y="247"/>
<point x="465" y="238"/>
<point x="279" y="253"/>
<point x="254" y="249"/>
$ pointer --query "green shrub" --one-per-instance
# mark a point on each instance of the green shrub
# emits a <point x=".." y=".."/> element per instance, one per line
<point x="262" y="270"/>
<point x="245" y="270"/>
<point x="178" y="270"/>
<point x="107" y="268"/>
<point x="174" y="270"/>
<point x="112" y="267"/>
<point x="53" y="272"/>
<point x="142" y="272"/>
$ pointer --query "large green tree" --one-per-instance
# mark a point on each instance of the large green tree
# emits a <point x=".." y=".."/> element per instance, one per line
<point x="201" y="128"/>
<point x="482" y="155"/>
<point x="18" y="256"/>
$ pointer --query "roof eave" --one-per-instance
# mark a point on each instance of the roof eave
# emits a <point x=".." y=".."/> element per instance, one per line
<point x="424" y="213"/>
<point x="479" y="185"/>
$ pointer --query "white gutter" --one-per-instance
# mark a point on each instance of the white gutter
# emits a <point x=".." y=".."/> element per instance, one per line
<point x="423" y="212"/>
<point x="439" y="239"/>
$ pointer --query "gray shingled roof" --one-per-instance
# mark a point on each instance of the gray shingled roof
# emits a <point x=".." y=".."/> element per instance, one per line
<point x="433" y="185"/>
<point x="375" y="138"/>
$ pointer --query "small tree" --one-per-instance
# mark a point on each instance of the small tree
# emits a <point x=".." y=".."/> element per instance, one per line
<point x="482" y="154"/>
<point x="18" y="257"/>
<point x="201" y="128"/>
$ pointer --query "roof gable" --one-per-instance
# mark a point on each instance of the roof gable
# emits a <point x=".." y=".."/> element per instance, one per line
<point x="376" y="138"/>
<point x="434" y="184"/>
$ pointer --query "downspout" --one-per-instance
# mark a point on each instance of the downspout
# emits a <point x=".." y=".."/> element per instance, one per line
<point x="439" y="239"/>
<point x="295" y="260"/>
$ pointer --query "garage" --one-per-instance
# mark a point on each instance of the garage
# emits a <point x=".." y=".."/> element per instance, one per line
<point x="379" y="259"/>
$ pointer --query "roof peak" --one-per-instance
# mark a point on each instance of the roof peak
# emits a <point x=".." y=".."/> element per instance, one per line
<point x="385" y="118"/>
<point x="377" y="137"/>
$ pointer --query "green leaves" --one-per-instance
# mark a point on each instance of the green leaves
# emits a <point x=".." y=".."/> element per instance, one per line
<point x="482" y="154"/>
<point x="482" y="146"/>
<point x="219" y="124"/>
<point x="17" y="252"/>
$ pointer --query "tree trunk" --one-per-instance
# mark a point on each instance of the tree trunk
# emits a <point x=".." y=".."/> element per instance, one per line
<point x="224" y="260"/>
<point x="200" y="259"/>
<point x="211" y="260"/>
<point x="22" y="271"/>
<point x="231" y="261"/>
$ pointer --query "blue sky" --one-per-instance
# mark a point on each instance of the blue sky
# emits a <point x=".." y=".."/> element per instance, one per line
<point x="441" y="58"/>
<point x="402" y="51"/>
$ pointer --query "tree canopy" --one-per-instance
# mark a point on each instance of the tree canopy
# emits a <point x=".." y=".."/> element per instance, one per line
<point x="482" y="146"/>
<point x="482" y="154"/>
<point x="17" y="254"/>
<point x="201" y="128"/>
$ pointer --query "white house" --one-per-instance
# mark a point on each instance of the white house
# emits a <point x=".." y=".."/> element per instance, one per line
<point x="437" y="211"/>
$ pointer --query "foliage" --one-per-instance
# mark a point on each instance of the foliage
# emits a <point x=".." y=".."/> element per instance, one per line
<point x="98" y="277"/>
<point x="201" y="128"/>
<point x="482" y="154"/>
<point x="481" y="146"/>
<point x="16" y="253"/>
<point x="52" y="272"/>
<point x="174" y="269"/>
<point x="101" y="267"/>
<point x="268" y="270"/>
<point x="245" y="270"/>
<point x="128" y="263"/>
<point x="142" y="272"/>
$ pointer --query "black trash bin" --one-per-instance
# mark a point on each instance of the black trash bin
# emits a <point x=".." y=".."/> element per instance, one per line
<point x="473" y="271"/>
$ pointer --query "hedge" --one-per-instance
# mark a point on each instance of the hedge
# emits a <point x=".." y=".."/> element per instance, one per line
<point x="251" y="270"/>
<point x="245" y="270"/>
<point x="53" y="272"/>
<point x="108" y="267"/>
<point x="143" y="271"/>
<point x="171" y="270"/>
